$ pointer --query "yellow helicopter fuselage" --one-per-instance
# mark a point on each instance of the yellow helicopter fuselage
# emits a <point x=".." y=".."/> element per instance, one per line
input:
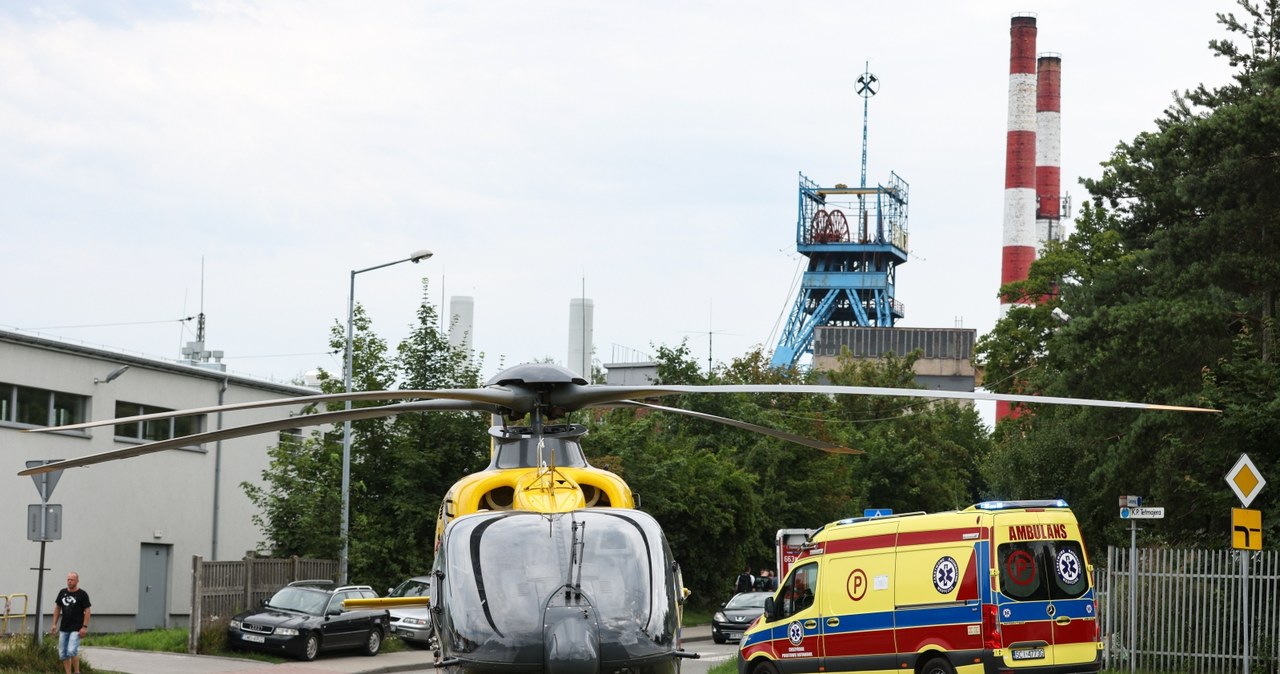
<point x="546" y="474"/>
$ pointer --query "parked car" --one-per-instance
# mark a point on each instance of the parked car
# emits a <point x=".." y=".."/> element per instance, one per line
<point x="736" y="615"/>
<point x="412" y="623"/>
<point x="307" y="617"/>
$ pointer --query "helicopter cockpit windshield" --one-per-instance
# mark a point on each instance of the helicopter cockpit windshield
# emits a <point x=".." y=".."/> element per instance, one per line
<point x="505" y="573"/>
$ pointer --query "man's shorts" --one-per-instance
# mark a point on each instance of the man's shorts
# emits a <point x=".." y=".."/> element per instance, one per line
<point x="68" y="644"/>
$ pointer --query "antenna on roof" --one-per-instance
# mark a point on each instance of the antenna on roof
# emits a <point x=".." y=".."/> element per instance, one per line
<point x="194" y="353"/>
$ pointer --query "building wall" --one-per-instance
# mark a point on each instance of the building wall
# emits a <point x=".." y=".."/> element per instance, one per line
<point x="110" y="510"/>
<point x="946" y="361"/>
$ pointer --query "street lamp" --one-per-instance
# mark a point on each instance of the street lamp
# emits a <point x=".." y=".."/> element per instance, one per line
<point x="415" y="257"/>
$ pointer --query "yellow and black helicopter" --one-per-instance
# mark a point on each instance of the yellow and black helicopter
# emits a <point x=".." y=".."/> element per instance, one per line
<point x="543" y="564"/>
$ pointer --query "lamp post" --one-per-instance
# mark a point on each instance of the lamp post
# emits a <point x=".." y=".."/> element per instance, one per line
<point x="415" y="257"/>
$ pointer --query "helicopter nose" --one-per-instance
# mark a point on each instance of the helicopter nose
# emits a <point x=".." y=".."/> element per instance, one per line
<point x="571" y="640"/>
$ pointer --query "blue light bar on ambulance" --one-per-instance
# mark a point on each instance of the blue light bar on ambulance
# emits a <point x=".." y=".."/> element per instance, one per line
<point x="1012" y="505"/>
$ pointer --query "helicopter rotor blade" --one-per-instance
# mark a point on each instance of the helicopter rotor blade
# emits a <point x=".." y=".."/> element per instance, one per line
<point x="265" y="427"/>
<point x="494" y="397"/>
<point x="587" y="396"/>
<point x="782" y="435"/>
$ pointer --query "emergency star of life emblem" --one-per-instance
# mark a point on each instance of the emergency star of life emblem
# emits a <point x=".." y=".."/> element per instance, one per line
<point x="1068" y="566"/>
<point x="795" y="633"/>
<point x="945" y="574"/>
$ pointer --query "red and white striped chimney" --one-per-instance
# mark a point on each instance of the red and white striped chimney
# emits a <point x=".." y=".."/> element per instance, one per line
<point x="1019" y="166"/>
<point x="1048" y="149"/>
<point x="1020" y="158"/>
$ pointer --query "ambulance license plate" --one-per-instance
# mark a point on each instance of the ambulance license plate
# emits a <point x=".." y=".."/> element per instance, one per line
<point x="254" y="638"/>
<point x="1028" y="654"/>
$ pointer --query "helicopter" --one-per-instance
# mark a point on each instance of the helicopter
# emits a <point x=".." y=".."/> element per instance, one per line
<point x="543" y="563"/>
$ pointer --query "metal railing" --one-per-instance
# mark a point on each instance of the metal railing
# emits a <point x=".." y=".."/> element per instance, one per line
<point x="12" y="615"/>
<point x="1189" y="611"/>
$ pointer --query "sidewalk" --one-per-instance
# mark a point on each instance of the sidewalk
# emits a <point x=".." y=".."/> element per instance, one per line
<point x="152" y="662"/>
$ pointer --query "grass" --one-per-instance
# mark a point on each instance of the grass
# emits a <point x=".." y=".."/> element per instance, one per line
<point x="727" y="667"/>
<point x="170" y="640"/>
<point x="696" y="617"/>
<point x="19" y="654"/>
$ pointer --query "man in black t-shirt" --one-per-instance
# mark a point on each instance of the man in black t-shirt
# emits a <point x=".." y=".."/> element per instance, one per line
<point x="71" y="622"/>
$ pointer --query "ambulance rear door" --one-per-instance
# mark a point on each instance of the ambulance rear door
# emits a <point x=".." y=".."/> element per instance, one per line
<point x="1044" y="600"/>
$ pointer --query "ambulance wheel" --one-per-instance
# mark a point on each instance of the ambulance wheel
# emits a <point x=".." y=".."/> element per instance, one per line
<point x="937" y="666"/>
<point x="765" y="667"/>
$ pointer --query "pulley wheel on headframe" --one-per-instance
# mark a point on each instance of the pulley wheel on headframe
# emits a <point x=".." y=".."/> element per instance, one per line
<point x="829" y="227"/>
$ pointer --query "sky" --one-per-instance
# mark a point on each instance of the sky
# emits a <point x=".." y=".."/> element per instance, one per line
<point x="242" y="158"/>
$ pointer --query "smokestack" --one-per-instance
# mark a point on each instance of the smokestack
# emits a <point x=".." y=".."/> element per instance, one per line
<point x="1020" y="156"/>
<point x="462" y="312"/>
<point x="1019" y="168"/>
<point x="1048" y="149"/>
<point x="581" y="336"/>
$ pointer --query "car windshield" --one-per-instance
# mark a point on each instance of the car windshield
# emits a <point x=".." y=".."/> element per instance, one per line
<point x="749" y="600"/>
<point x="300" y="599"/>
<point x="412" y="588"/>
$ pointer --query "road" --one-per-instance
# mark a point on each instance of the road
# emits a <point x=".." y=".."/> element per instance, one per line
<point x="712" y="655"/>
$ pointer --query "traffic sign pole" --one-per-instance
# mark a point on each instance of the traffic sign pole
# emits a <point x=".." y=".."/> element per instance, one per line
<point x="1246" y="481"/>
<point x="1244" y="604"/>
<point x="1131" y="509"/>
<point x="1133" y="595"/>
<point x="45" y="482"/>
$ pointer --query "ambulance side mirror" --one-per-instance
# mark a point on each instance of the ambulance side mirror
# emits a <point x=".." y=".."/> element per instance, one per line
<point x="770" y="609"/>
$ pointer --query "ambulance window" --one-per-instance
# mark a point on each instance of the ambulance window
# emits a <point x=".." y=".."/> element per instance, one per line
<point x="1070" y="577"/>
<point x="1021" y="577"/>
<point x="799" y="591"/>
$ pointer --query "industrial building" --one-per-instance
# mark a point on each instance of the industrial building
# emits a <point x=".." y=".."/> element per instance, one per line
<point x="129" y="528"/>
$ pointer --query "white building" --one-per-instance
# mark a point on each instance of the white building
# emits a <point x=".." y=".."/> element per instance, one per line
<point x="130" y="527"/>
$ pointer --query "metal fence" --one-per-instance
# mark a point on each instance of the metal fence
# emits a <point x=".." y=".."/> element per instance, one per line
<point x="1188" y="611"/>
<point x="220" y="590"/>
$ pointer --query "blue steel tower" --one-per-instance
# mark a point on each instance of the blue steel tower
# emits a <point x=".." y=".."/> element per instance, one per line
<point x="855" y="238"/>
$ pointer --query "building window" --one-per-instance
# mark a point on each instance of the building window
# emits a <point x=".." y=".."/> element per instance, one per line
<point x="39" y="407"/>
<point x="154" y="430"/>
<point x="291" y="437"/>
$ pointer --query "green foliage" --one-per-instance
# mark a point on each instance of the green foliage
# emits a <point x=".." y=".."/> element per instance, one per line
<point x="1170" y="281"/>
<point x="213" y="636"/>
<point x="21" y="655"/>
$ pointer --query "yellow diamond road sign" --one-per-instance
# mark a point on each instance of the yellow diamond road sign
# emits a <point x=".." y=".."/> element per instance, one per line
<point x="1245" y="480"/>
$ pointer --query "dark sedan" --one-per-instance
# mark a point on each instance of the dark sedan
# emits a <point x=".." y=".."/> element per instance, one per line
<point x="307" y="617"/>
<point x="736" y="615"/>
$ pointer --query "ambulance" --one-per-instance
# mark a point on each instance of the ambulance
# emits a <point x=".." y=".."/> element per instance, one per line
<point x="999" y="587"/>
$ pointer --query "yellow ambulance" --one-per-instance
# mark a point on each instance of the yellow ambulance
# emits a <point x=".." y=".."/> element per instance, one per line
<point x="999" y="587"/>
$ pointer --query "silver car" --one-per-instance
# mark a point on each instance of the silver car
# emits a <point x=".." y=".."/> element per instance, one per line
<point x="412" y="623"/>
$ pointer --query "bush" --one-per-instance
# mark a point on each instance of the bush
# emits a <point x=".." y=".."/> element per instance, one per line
<point x="213" y="637"/>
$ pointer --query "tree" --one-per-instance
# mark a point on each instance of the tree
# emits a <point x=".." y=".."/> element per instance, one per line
<point x="400" y="466"/>
<point x="1170" y="284"/>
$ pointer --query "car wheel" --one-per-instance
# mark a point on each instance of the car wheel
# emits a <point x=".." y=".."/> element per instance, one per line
<point x="373" y="642"/>
<point x="718" y="638"/>
<point x="765" y="667"/>
<point x="937" y="666"/>
<point x="311" y="647"/>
